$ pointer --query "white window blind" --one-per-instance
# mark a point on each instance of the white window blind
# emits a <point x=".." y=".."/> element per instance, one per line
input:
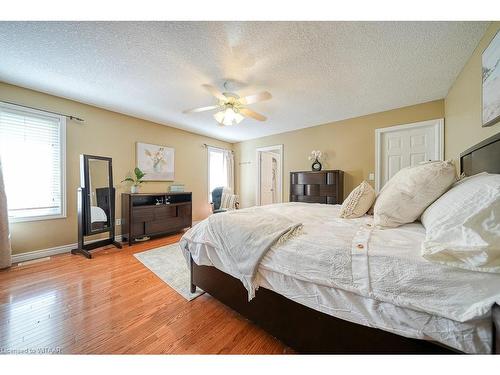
<point x="32" y="150"/>
<point x="217" y="170"/>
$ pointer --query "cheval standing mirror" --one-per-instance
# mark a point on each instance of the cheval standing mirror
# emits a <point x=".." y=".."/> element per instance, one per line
<point x="96" y="204"/>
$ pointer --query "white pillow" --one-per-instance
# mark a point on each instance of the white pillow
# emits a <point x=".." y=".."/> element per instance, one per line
<point x="463" y="226"/>
<point x="358" y="202"/>
<point x="228" y="199"/>
<point x="410" y="191"/>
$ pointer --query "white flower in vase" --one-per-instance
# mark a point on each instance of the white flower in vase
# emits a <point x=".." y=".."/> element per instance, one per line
<point x="315" y="155"/>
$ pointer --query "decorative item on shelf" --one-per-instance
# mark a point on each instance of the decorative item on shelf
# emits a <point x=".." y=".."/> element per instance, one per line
<point x="136" y="180"/>
<point x="176" y="188"/>
<point x="316" y="156"/>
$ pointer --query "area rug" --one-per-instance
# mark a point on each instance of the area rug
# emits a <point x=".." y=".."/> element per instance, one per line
<point x="168" y="263"/>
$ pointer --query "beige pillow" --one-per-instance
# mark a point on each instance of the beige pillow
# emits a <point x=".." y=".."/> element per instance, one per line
<point x="358" y="202"/>
<point x="410" y="191"/>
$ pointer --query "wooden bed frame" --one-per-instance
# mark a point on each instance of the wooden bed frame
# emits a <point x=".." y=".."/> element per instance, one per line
<point x="309" y="331"/>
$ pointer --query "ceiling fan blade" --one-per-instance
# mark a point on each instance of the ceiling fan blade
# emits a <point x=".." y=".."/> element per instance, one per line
<point x="201" y="109"/>
<point x="260" y="97"/>
<point x="249" y="113"/>
<point x="213" y="90"/>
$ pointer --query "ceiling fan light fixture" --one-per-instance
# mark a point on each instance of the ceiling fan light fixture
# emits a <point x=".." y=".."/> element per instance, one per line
<point x="231" y="108"/>
<point x="228" y="117"/>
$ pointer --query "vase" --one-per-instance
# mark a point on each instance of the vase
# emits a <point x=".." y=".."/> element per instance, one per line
<point x="316" y="165"/>
<point x="134" y="189"/>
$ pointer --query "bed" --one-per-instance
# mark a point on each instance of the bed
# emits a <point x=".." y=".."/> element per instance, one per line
<point x="314" y="309"/>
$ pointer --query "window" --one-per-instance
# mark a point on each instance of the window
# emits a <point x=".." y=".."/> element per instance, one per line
<point x="217" y="170"/>
<point x="32" y="151"/>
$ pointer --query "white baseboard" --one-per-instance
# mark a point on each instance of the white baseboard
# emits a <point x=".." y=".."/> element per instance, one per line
<point x="30" y="255"/>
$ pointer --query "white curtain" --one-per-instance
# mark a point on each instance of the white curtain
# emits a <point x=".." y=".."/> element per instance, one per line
<point x="5" y="249"/>
<point x="229" y="160"/>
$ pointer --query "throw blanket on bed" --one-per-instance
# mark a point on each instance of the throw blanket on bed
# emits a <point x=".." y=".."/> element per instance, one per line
<point x="243" y="237"/>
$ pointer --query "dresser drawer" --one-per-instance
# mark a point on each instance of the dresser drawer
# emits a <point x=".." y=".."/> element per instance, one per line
<point x="327" y="190"/>
<point x="297" y="189"/>
<point x="142" y="214"/>
<point x="312" y="189"/>
<point x="185" y="211"/>
<point x="310" y="178"/>
<point x="166" y="225"/>
<point x="165" y="212"/>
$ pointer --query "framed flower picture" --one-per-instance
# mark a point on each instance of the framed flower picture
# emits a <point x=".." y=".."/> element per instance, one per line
<point x="491" y="82"/>
<point x="156" y="161"/>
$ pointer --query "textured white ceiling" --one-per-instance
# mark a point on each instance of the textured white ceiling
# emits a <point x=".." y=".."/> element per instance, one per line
<point x="318" y="72"/>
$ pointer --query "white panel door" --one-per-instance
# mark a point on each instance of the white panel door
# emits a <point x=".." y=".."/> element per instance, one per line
<point x="407" y="145"/>
<point x="266" y="178"/>
<point x="269" y="174"/>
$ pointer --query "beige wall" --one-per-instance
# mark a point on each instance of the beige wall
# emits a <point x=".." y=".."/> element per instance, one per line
<point x="350" y="145"/>
<point x="463" y="104"/>
<point x="110" y="134"/>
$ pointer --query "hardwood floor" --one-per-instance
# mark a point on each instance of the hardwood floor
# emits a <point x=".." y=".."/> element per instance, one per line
<point x="113" y="304"/>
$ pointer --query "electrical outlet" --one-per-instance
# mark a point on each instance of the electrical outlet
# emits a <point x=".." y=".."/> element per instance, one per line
<point x="371" y="176"/>
<point x="118" y="221"/>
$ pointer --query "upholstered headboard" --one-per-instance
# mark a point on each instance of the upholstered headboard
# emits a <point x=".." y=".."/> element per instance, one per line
<point x="483" y="157"/>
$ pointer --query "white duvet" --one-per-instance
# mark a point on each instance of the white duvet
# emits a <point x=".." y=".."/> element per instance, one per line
<point x="352" y="255"/>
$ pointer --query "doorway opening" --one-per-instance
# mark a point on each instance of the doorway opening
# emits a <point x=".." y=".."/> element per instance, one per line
<point x="269" y="175"/>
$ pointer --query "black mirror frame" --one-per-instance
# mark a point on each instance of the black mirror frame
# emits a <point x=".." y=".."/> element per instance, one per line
<point x="83" y="204"/>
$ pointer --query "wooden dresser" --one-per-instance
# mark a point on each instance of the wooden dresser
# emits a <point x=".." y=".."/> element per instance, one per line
<point x="317" y="187"/>
<point x="154" y="214"/>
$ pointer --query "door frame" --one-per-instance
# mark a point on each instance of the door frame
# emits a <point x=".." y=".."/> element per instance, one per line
<point x="439" y="144"/>
<point x="258" y="150"/>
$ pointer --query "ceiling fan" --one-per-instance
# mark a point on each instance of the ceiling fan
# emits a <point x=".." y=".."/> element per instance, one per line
<point x="231" y="108"/>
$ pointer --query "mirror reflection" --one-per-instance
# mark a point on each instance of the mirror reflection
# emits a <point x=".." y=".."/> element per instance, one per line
<point x="99" y="194"/>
